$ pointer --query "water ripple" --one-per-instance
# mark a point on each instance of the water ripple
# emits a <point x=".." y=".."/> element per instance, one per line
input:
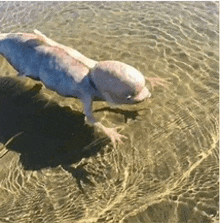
<point x="167" y="170"/>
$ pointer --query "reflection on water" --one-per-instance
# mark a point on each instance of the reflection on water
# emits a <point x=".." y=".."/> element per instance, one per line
<point x="167" y="171"/>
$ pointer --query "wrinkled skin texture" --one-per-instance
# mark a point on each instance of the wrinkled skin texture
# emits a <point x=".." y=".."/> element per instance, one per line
<point x="70" y="73"/>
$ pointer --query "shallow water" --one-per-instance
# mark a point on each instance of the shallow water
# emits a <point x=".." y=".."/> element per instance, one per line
<point x="54" y="169"/>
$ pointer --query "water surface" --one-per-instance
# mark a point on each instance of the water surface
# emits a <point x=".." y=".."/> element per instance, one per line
<point x="56" y="170"/>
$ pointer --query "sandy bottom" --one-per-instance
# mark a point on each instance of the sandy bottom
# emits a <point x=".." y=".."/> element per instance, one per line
<point x="54" y="168"/>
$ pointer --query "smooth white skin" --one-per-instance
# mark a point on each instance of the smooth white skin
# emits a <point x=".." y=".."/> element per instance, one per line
<point x="119" y="83"/>
<point x="114" y="78"/>
<point x="116" y="82"/>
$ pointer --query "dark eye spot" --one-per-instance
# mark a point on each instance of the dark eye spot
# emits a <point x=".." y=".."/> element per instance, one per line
<point x="128" y="97"/>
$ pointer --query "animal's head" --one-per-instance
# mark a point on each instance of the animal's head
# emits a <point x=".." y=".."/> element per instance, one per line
<point x="119" y="83"/>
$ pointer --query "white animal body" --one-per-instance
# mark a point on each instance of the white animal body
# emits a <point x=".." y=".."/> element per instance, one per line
<point x="69" y="73"/>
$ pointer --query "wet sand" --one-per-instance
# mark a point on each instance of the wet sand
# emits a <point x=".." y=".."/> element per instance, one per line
<point x="54" y="168"/>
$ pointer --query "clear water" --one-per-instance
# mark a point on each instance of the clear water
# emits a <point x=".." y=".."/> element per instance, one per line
<point x="57" y="170"/>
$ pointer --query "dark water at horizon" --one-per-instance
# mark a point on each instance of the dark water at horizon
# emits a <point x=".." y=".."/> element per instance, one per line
<point x="57" y="170"/>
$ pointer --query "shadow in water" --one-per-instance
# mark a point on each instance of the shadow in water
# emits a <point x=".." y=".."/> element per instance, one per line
<point x="50" y="136"/>
<point x="126" y="113"/>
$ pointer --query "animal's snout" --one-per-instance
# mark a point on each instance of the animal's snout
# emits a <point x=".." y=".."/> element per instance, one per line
<point x="142" y="95"/>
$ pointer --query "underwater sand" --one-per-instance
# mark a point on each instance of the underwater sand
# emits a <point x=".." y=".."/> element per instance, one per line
<point x="54" y="169"/>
